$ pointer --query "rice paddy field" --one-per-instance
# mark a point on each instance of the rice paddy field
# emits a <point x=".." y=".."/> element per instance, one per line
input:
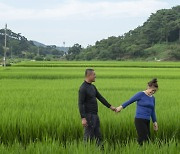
<point x="39" y="107"/>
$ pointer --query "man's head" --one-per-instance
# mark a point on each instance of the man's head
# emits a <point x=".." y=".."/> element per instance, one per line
<point x="90" y="75"/>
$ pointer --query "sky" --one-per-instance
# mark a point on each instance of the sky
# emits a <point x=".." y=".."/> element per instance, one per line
<point x="53" y="22"/>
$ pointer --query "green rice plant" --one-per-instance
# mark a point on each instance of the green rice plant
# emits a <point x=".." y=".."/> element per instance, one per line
<point x="38" y="106"/>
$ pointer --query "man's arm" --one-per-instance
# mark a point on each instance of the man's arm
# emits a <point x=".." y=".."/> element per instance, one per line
<point x="81" y="102"/>
<point x="102" y="99"/>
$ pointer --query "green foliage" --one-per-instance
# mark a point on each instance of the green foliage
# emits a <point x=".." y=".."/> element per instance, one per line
<point x="20" y="47"/>
<point x="39" y="58"/>
<point x="175" y="52"/>
<point x="39" y="112"/>
<point x="73" y="52"/>
<point x="54" y="147"/>
<point x="161" y="27"/>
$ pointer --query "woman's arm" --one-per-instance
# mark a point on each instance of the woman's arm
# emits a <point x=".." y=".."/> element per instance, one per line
<point x="153" y="116"/>
<point x="133" y="99"/>
<point x="154" y="120"/>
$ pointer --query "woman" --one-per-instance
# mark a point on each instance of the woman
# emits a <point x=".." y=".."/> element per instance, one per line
<point x="144" y="111"/>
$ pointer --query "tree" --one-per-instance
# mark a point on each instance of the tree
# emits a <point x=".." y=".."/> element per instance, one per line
<point x="74" y="51"/>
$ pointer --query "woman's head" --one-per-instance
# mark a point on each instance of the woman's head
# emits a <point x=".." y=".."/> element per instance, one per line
<point x="152" y="86"/>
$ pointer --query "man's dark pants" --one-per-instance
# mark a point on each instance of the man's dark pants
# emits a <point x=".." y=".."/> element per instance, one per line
<point x="92" y="131"/>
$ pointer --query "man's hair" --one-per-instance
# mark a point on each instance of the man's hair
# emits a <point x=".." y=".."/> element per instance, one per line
<point x="88" y="70"/>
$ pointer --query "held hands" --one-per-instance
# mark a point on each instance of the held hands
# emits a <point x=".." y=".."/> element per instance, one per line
<point x="118" y="109"/>
<point x="113" y="108"/>
<point x="155" y="126"/>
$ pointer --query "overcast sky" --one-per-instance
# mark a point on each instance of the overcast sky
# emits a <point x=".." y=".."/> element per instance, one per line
<point x="76" y="21"/>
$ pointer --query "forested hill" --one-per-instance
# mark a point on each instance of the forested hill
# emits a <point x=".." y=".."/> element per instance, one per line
<point x="20" y="47"/>
<point x="157" y="38"/>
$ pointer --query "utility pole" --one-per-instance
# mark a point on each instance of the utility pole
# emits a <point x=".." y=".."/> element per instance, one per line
<point x="5" y="45"/>
<point x="64" y="43"/>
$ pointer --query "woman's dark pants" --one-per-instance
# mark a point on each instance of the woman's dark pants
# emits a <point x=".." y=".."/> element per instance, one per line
<point x="143" y="130"/>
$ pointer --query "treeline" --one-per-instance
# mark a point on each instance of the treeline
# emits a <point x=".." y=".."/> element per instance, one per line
<point x="157" y="38"/>
<point x="20" y="47"/>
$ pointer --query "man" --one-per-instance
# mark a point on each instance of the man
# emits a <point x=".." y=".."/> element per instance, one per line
<point x="88" y="107"/>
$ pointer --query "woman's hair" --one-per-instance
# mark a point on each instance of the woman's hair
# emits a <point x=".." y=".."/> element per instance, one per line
<point x="153" y="83"/>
